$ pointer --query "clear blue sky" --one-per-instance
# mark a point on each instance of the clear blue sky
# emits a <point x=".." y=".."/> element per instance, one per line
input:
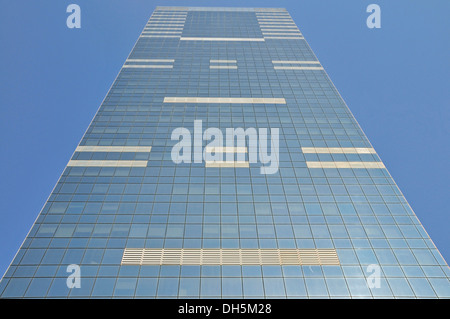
<point x="395" y="80"/>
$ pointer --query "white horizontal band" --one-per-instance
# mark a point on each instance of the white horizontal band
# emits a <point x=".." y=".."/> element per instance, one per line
<point x="258" y="16"/>
<point x="222" y="61"/>
<point x="271" y="14"/>
<point x="345" y="165"/>
<point x="177" y="19"/>
<point x="221" y="39"/>
<point x="168" y="18"/>
<point x="223" y="67"/>
<point x="295" y="62"/>
<point x="106" y="163"/>
<point x="298" y="68"/>
<point x="239" y="100"/>
<point x="161" y="32"/>
<point x="148" y="66"/>
<point x="150" y="60"/>
<point x="164" y="25"/>
<point x="173" y="23"/>
<point x="163" y="28"/>
<point x="160" y="36"/>
<point x="230" y="164"/>
<point x="192" y="256"/>
<point x="92" y="148"/>
<point x="338" y="150"/>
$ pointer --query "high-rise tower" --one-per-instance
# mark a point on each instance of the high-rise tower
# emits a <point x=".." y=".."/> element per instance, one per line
<point x="161" y="198"/>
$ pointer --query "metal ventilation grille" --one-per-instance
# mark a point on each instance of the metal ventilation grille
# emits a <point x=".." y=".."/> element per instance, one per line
<point x="141" y="256"/>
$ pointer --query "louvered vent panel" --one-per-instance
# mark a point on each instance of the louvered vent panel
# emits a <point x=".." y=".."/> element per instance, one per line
<point x="152" y="257"/>
<point x="132" y="256"/>
<point x="270" y="256"/>
<point x="289" y="257"/>
<point x="192" y="256"/>
<point x="251" y="257"/>
<point x="210" y="257"/>
<point x="140" y="256"/>
<point x="171" y="257"/>
<point x="231" y="257"/>
<point x="309" y="257"/>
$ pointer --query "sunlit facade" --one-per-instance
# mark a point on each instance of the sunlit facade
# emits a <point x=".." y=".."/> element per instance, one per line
<point x="329" y="222"/>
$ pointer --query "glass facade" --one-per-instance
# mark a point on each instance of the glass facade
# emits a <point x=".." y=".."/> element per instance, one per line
<point x="330" y="222"/>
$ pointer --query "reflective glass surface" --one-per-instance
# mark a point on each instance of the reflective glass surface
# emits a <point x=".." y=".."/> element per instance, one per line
<point x="96" y="211"/>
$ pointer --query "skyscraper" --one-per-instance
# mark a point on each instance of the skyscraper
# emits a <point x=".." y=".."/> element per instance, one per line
<point x="224" y="163"/>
